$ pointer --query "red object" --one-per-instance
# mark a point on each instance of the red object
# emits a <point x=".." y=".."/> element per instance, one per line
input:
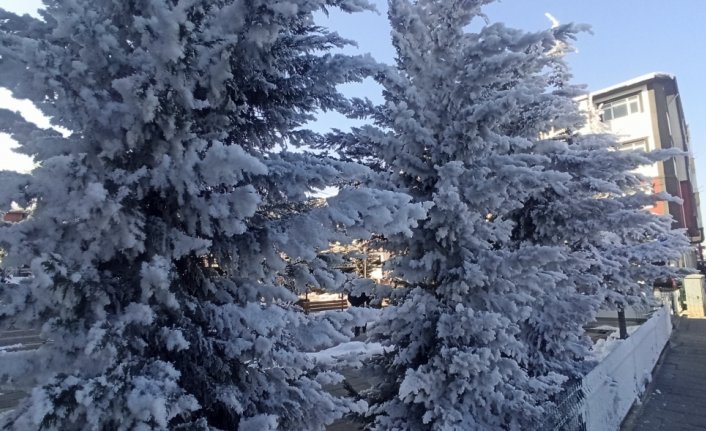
<point x="14" y="216"/>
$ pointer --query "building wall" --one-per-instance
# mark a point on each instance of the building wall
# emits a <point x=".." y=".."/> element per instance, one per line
<point x="659" y="124"/>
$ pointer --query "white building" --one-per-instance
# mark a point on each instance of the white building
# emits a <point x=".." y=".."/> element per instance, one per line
<point x="646" y="112"/>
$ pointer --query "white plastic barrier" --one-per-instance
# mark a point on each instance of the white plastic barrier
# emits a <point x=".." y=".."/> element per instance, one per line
<point x="618" y="380"/>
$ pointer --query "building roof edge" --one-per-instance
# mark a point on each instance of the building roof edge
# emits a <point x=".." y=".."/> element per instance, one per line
<point x="632" y="82"/>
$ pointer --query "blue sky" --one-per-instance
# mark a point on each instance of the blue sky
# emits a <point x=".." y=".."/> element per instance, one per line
<point x="630" y="38"/>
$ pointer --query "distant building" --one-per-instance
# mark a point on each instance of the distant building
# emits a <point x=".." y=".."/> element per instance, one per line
<point x="15" y="216"/>
<point x="646" y="112"/>
<point x="365" y="261"/>
<point x="13" y="274"/>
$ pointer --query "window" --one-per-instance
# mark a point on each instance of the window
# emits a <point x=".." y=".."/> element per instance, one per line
<point x="620" y="108"/>
<point x="638" y="144"/>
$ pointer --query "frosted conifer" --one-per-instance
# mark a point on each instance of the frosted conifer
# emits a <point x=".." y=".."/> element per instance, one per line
<point x="477" y="334"/>
<point x="181" y="115"/>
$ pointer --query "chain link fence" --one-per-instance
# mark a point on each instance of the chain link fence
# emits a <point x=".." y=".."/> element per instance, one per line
<point x="567" y="413"/>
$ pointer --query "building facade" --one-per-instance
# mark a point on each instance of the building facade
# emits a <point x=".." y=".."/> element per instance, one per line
<point x="646" y="113"/>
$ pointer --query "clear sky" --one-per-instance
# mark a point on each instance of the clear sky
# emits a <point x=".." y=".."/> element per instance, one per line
<point x="630" y="38"/>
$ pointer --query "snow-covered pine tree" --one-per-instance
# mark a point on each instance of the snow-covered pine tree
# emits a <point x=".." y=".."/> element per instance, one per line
<point x="462" y="114"/>
<point x="491" y="322"/>
<point x="615" y="247"/>
<point x="527" y="236"/>
<point x="179" y="115"/>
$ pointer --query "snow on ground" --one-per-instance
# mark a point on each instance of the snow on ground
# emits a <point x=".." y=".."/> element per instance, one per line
<point x="602" y="348"/>
<point x="352" y="353"/>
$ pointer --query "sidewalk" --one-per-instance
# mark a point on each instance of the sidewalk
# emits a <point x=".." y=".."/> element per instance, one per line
<point x="676" y="398"/>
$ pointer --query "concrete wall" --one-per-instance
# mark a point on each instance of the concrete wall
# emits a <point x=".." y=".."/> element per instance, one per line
<point x="616" y="383"/>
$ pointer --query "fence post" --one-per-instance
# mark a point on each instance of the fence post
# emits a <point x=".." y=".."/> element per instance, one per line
<point x="621" y="323"/>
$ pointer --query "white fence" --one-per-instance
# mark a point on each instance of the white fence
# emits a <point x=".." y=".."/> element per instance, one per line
<point x="617" y="381"/>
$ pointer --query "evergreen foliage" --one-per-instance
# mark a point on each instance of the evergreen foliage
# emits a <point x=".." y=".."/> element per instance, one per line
<point x="528" y="231"/>
<point x="185" y="121"/>
<point x="182" y="117"/>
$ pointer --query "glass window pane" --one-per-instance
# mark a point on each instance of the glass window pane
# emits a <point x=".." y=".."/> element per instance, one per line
<point x="607" y="115"/>
<point x="620" y="111"/>
<point x="634" y="107"/>
<point x="634" y="145"/>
